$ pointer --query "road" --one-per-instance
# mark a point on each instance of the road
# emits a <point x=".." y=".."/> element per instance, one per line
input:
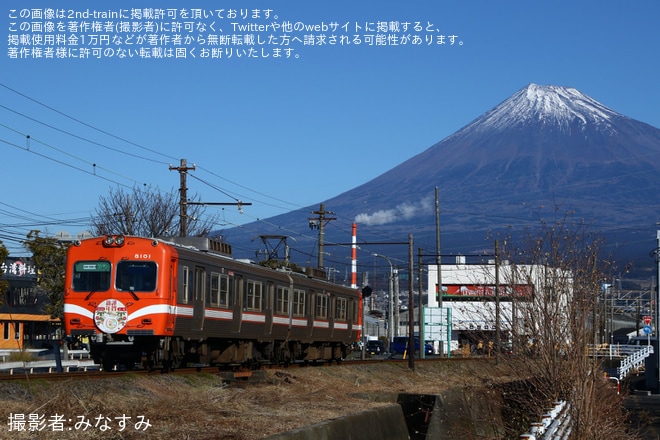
<point x="645" y="414"/>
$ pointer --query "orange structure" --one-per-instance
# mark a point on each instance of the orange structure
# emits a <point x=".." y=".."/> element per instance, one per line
<point x="185" y="300"/>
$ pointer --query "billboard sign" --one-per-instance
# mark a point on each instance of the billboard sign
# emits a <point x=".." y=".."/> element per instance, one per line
<point x="486" y="290"/>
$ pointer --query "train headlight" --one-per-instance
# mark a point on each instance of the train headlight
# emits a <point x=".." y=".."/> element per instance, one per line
<point x="114" y="240"/>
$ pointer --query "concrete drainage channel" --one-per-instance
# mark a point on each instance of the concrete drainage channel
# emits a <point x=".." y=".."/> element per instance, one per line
<point x="383" y="423"/>
<point x="413" y="417"/>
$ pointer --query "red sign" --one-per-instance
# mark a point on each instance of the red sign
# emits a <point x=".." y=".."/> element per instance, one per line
<point x="647" y="320"/>
<point x="520" y="290"/>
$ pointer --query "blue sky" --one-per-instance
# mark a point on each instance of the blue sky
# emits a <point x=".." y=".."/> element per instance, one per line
<point x="288" y="133"/>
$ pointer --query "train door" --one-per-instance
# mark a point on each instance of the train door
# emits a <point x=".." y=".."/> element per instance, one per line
<point x="238" y="303"/>
<point x="199" y="296"/>
<point x="172" y="288"/>
<point x="268" y="307"/>
<point x="311" y="312"/>
<point x="171" y="293"/>
<point x="332" y="315"/>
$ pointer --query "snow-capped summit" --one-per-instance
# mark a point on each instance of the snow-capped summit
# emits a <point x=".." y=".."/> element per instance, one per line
<point x="545" y="150"/>
<point x="565" y="108"/>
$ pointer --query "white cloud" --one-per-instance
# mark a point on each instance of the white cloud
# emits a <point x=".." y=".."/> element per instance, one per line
<point x="404" y="211"/>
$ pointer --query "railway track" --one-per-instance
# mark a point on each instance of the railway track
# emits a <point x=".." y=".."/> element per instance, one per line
<point x="232" y="372"/>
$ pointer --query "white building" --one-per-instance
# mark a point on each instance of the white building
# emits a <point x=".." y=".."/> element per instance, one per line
<point x="469" y="302"/>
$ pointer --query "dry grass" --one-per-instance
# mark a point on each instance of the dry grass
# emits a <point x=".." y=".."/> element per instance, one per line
<point x="204" y="407"/>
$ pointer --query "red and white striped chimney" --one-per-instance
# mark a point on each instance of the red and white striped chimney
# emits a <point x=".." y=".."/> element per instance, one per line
<point x="354" y="257"/>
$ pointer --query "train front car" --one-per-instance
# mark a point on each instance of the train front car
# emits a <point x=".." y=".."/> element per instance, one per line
<point x="118" y="291"/>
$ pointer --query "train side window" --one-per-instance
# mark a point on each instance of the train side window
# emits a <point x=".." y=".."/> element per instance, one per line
<point x="254" y="296"/>
<point x="321" y="306"/>
<point x="340" y="309"/>
<point x="225" y="293"/>
<point x="299" y="302"/>
<point x="282" y="301"/>
<point x="214" y="290"/>
<point x="354" y="310"/>
<point x="91" y="276"/>
<point x="185" y="284"/>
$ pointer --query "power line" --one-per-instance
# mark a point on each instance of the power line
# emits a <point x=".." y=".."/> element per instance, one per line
<point x="86" y="124"/>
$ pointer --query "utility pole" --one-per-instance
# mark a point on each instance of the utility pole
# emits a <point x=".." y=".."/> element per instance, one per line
<point x="183" y="169"/>
<point x="438" y="258"/>
<point x="497" y="303"/>
<point x="320" y="222"/>
<point x="422" y="336"/>
<point x="411" y="307"/>
<point x="396" y="302"/>
<point x="657" y="316"/>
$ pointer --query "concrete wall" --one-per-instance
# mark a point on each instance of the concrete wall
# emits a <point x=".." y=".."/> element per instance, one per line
<point x="453" y="414"/>
<point x="385" y="423"/>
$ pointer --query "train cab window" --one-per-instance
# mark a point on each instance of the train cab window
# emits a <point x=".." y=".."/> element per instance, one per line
<point x="253" y="296"/>
<point x="91" y="276"/>
<point x="282" y="301"/>
<point x="299" y="297"/>
<point x="136" y="276"/>
<point x="341" y="309"/>
<point x="321" y="310"/>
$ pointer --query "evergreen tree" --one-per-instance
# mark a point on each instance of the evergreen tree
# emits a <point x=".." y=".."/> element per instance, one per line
<point x="49" y="256"/>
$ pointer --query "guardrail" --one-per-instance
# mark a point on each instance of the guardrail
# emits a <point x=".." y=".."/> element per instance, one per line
<point x="71" y="360"/>
<point x="634" y="360"/>
<point x="46" y="366"/>
<point x="632" y="356"/>
<point x="613" y="351"/>
<point x="555" y="424"/>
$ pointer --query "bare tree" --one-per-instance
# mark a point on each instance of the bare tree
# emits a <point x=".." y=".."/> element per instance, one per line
<point x="148" y="213"/>
<point x="553" y="327"/>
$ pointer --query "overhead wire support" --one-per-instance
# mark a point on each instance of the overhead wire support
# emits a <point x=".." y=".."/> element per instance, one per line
<point x="320" y="222"/>
<point x="183" y="169"/>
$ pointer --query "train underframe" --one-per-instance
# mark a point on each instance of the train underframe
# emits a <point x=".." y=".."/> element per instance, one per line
<point x="169" y="353"/>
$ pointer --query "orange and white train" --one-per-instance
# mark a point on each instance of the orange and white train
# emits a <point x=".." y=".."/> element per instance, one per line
<point x="180" y="301"/>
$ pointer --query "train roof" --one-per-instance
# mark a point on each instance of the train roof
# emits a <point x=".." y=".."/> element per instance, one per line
<point x="221" y="249"/>
<point x="203" y="244"/>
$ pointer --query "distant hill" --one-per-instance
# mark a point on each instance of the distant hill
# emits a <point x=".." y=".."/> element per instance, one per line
<point x="543" y="152"/>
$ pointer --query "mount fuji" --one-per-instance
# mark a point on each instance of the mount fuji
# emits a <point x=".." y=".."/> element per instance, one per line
<point x="544" y="151"/>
